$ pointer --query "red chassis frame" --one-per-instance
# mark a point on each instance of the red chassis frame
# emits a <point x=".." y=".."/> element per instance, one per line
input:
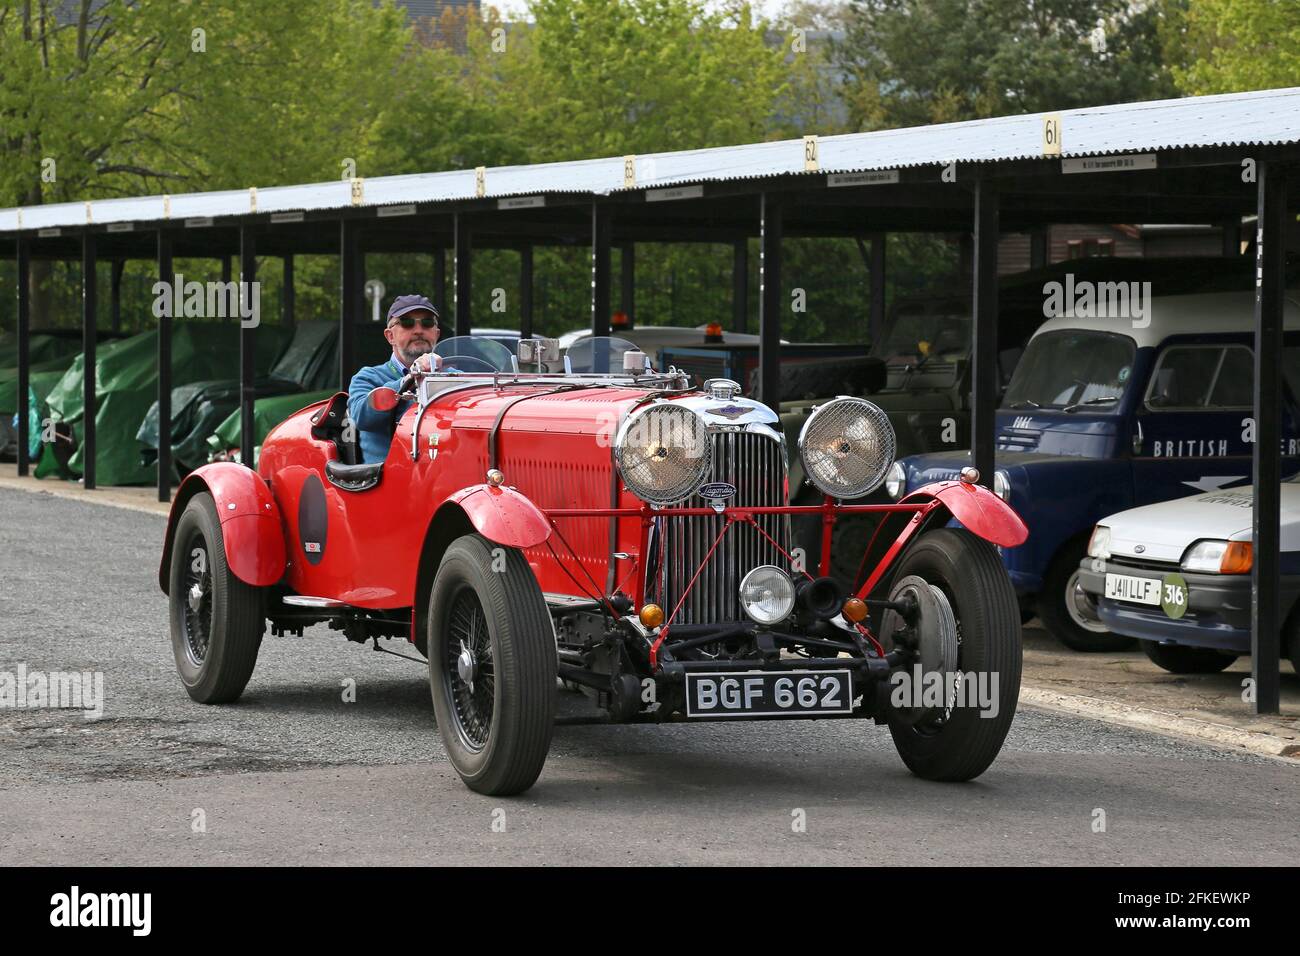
<point x="977" y="508"/>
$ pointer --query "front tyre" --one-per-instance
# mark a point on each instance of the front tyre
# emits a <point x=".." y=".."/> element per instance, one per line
<point x="492" y="666"/>
<point x="216" y="619"/>
<point x="1068" y="612"/>
<point x="1179" y="659"/>
<point x="960" y="739"/>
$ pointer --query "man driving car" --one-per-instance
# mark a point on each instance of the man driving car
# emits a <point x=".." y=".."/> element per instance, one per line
<point x="412" y="330"/>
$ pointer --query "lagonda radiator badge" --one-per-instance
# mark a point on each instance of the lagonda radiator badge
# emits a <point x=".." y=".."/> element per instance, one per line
<point x="717" y="490"/>
<point x="729" y="412"/>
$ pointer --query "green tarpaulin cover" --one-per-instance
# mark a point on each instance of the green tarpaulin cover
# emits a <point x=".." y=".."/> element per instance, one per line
<point x="308" y="362"/>
<point x="41" y="347"/>
<point x="267" y="413"/>
<point x="126" y="383"/>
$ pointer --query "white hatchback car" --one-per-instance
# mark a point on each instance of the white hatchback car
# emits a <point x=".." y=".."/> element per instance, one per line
<point x="1177" y="575"/>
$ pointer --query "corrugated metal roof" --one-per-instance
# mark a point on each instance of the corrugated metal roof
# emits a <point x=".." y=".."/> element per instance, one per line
<point x="1261" y="118"/>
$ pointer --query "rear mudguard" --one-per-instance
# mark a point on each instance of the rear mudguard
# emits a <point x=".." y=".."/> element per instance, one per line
<point x="251" y="528"/>
<point x="502" y="515"/>
<point x="979" y="510"/>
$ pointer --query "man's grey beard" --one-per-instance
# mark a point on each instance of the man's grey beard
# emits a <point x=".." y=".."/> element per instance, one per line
<point x="414" y="349"/>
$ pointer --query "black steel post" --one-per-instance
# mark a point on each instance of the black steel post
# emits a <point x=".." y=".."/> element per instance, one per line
<point x="350" y="296"/>
<point x="226" y="274"/>
<point x="740" y="285"/>
<point x="24" y="263"/>
<point x="166" y="275"/>
<point x="600" y="270"/>
<point x="440" y="281"/>
<point x="984" y="344"/>
<point x="1270" y="298"/>
<point x="1232" y="238"/>
<point x="463" y="241"/>
<point x="627" y="282"/>
<point x="247" y="343"/>
<point x="115" y="295"/>
<point x="288" y="294"/>
<point x="876" y="316"/>
<point x="1038" y="247"/>
<point x="89" y="304"/>
<point x="526" y="291"/>
<point x="770" y="303"/>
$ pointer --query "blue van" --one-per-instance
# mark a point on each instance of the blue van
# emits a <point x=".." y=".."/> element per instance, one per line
<point x="1108" y="413"/>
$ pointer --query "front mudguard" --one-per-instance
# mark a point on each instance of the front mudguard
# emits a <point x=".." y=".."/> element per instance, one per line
<point x="502" y="515"/>
<point x="251" y="529"/>
<point x="979" y="510"/>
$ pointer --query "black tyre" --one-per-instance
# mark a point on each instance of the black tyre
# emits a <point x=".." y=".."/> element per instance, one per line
<point x="1178" y="659"/>
<point x="849" y="539"/>
<point x="1068" y="612"/>
<point x="959" y="743"/>
<point x="848" y="542"/>
<point x="216" y="619"/>
<point x="1291" y="639"/>
<point x="492" y="666"/>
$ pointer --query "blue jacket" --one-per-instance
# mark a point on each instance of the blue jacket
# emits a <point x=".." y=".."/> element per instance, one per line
<point x="375" y="427"/>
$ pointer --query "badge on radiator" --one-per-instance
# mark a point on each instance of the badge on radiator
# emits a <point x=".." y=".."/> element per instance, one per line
<point x="717" y="490"/>
<point x="729" y="412"/>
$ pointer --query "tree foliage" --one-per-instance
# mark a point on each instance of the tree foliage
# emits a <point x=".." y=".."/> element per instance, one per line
<point x="122" y="97"/>
<point x="1226" y="46"/>
<point x="913" y="62"/>
<point x="609" y="77"/>
<point x="127" y="97"/>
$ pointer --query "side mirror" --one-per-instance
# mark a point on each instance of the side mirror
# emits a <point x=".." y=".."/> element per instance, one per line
<point x="382" y="399"/>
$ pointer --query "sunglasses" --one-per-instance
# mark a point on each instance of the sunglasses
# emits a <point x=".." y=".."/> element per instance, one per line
<point x="408" y="322"/>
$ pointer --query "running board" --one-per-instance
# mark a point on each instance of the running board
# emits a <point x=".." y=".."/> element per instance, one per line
<point x="306" y="600"/>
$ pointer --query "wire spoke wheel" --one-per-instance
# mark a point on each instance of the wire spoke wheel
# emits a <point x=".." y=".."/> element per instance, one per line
<point x="471" y="684"/>
<point x="197" y="595"/>
<point x="492" y="665"/>
<point x="216" y="619"/>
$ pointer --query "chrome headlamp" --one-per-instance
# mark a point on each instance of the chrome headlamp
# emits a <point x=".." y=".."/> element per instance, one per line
<point x="767" y="594"/>
<point x="847" y="446"/>
<point x="1002" y="485"/>
<point x="663" y="453"/>
<point x="896" y="480"/>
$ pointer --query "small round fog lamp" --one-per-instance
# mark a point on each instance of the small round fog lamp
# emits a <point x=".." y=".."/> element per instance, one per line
<point x="767" y="594"/>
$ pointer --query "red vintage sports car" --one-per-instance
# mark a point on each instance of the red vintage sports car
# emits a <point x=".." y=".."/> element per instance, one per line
<point x="612" y="526"/>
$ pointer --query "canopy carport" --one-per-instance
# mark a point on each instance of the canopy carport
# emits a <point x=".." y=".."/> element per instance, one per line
<point x="1219" y="159"/>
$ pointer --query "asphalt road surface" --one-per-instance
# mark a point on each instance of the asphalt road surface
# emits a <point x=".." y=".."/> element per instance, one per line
<point x="294" y="774"/>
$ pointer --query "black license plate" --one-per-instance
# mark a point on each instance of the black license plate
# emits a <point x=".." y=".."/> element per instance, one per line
<point x="769" y="693"/>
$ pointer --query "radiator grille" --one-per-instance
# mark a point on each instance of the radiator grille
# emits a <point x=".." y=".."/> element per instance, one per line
<point x="755" y="463"/>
